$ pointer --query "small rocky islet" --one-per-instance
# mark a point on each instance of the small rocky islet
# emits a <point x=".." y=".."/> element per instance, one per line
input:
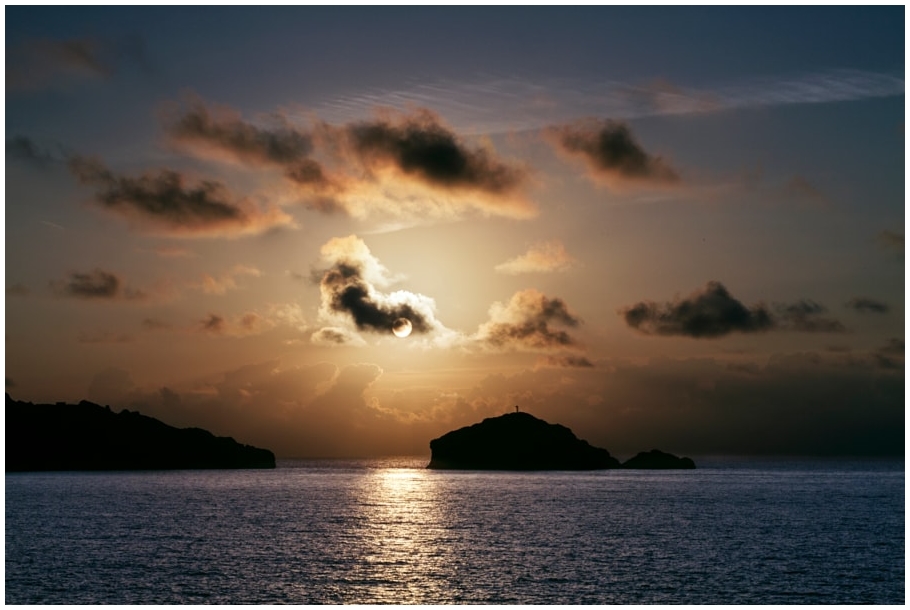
<point x="520" y="441"/>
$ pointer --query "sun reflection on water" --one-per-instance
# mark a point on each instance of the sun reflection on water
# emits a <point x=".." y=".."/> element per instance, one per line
<point x="404" y="539"/>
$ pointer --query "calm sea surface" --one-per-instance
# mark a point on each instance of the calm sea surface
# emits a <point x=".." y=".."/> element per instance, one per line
<point x="389" y="531"/>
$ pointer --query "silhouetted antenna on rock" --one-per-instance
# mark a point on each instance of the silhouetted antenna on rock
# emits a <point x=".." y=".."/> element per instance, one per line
<point x="516" y="408"/>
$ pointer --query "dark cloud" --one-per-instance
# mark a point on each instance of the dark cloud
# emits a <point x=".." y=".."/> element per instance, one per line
<point x="223" y="132"/>
<point x="10" y="383"/>
<point x="867" y="305"/>
<point x="165" y="201"/>
<point x="806" y="316"/>
<point x="395" y="165"/>
<point x="611" y="152"/>
<point x="26" y="150"/>
<point x="38" y="63"/>
<point x="349" y="287"/>
<point x="710" y="312"/>
<point x="161" y="196"/>
<point x="229" y="133"/>
<point x="530" y="320"/>
<point x="421" y="147"/>
<point x="346" y="291"/>
<point x="97" y="284"/>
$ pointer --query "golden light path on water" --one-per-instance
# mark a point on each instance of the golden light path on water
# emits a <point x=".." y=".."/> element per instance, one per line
<point x="406" y="537"/>
<point x="415" y="533"/>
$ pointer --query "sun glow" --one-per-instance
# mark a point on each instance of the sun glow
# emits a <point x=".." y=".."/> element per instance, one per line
<point x="402" y="327"/>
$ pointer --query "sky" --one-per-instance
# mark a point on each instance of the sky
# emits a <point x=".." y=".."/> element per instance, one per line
<point x="663" y="227"/>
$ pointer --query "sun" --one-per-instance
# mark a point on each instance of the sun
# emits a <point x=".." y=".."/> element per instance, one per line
<point x="402" y="327"/>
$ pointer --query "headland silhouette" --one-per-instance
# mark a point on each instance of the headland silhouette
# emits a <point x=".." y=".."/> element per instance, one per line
<point x="87" y="436"/>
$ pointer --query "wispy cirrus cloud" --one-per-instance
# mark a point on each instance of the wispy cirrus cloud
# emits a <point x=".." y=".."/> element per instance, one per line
<point x="505" y="103"/>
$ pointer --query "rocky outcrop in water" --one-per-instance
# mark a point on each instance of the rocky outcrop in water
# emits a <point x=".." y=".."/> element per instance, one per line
<point x="658" y="460"/>
<point x="91" y="437"/>
<point x="516" y="441"/>
<point x="520" y="441"/>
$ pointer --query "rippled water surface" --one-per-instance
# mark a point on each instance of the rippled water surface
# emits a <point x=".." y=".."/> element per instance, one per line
<point x="391" y="531"/>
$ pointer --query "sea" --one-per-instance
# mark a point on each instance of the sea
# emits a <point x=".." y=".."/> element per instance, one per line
<point x="389" y="531"/>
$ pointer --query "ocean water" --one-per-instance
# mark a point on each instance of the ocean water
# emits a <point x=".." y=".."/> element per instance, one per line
<point x="390" y="531"/>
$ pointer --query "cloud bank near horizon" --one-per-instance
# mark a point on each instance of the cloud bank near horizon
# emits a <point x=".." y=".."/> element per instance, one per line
<point x="680" y="405"/>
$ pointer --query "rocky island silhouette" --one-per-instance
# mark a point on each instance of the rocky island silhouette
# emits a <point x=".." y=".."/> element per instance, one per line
<point x="520" y="441"/>
<point x="87" y="436"/>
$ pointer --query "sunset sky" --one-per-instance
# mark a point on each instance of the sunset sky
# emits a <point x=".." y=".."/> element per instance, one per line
<point x="679" y="228"/>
